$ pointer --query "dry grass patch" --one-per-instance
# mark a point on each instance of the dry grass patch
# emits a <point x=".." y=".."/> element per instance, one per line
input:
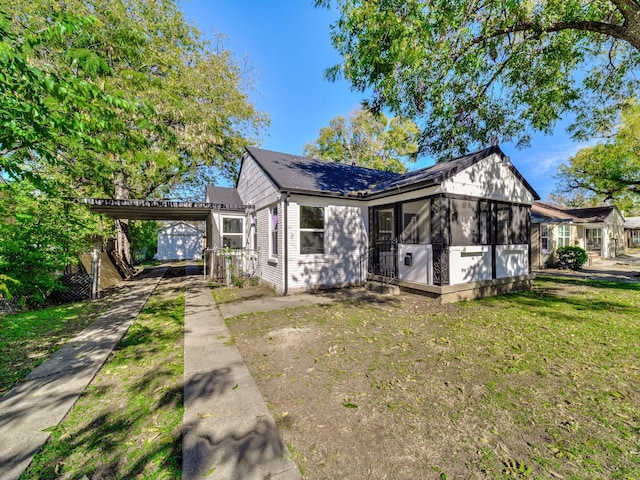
<point x="541" y="384"/>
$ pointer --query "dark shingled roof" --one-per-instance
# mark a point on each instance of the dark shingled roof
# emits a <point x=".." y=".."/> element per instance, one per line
<point x="590" y="215"/>
<point x="545" y="213"/>
<point x="308" y="175"/>
<point x="227" y="198"/>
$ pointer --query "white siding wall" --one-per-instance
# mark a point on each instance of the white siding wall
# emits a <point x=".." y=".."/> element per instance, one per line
<point x="489" y="178"/>
<point x="346" y="240"/>
<point x="512" y="260"/>
<point x="272" y="270"/>
<point x="254" y="186"/>
<point x="469" y="264"/>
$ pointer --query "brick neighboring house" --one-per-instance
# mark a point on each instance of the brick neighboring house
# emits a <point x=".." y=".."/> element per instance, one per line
<point x="599" y="230"/>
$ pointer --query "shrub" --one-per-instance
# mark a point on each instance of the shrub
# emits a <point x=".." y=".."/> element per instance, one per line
<point x="572" y="257"/>
<point x="254" y="281"/>
<point x="237" y="282"/>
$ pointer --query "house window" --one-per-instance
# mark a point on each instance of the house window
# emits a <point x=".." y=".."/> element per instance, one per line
<point x="273" y="231"/>
<point x="311" y="230"/>
<point x="465" y="224"/>
<point x="503" y="224"/>
<point x="544" y="238"/>
<point x="635" y="236"/>
<point x="564" y="236"/>
<point x="594" y="238"/>
<point x="485" y="221"/>
<point x="416" y="222"/>
<point x="232" y="232"/>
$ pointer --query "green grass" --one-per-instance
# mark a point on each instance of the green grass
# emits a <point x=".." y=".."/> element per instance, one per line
<point x="127" y="424"/>
<point x="539" y="384"/>
<point x="27" y="339"/>
<point x="225" y="294"/>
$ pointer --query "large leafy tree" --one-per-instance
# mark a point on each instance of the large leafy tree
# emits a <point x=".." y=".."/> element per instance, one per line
<point x="608" y="171"/>
<point x="477" y="72"/>
<point x="49" y="114"/>
<point x="201" y="116"/>
<point x="367" y="140"/>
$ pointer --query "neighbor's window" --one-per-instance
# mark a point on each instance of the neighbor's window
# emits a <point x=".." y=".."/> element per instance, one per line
<point x="232" y="232"/>
<point x="564" y="236"/>
<point x="273" y="229"/>
<point x="311" y="230"/>
<point x="635" y="236"/>
<point x="544" y="238"/>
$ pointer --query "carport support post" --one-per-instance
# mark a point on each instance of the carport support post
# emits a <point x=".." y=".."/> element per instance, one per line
<point x="95" y="273"/>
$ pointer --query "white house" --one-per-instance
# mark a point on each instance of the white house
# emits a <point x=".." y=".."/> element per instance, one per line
<point x="459" y="229"/>
<point x="179" y="241"/>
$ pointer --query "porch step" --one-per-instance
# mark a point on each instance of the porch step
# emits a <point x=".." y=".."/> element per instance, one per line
<point x="382" y="288"/>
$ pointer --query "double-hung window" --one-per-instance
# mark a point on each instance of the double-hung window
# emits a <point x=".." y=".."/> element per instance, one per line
<point x="564" y="235"/>
<point x="311" y="230"/>
<point x="544" y="238"/>
<point x="232" y="232"/>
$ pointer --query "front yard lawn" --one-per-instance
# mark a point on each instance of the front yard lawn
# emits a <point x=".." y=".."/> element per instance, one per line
<point x="541" y="384"/>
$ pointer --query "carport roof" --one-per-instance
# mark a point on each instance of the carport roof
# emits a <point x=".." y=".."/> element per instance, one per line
<point x="154" y="209"/>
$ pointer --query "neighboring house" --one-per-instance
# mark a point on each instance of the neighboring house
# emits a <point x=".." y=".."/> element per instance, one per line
<point x="632" y="232"/>
<point x="179" y="241"/>
<point x="599" y="230"/>
<point x="459" y="229"/>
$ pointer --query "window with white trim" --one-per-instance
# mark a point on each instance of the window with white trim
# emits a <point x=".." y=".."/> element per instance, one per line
<point x="564" y="236"/>
<point x="635" y="236"/>
<point x="544" y="238"/>
<point x="233" y="232"/>
<point x="273" y="231"/>
<point x="311" y="230"/>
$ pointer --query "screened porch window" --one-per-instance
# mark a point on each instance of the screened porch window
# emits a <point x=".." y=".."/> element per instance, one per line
<point x="232" y="232"/>
<point x="416" y="222"/>
<point x="311" y="230"/>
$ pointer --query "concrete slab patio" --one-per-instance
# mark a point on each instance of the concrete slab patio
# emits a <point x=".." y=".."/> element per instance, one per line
<point x="49" y="391"/>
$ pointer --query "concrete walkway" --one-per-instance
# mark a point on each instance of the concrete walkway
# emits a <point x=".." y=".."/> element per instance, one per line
<point x="49" y="391"/>
<point x="229" y="432"/>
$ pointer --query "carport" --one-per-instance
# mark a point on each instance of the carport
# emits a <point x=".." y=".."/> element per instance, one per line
<point x="120" y="210"/>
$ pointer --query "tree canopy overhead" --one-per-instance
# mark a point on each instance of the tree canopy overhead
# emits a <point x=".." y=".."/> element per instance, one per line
<point x="474" y="72"/>
<point x="368" y="140"/>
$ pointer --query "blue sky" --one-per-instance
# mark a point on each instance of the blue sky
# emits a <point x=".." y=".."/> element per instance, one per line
<point x="286" y="45"/>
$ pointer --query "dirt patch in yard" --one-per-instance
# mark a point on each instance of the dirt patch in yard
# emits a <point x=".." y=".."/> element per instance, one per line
<point x="541" y="384"/>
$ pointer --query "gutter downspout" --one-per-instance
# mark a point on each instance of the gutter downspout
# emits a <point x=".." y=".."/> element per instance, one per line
<point x="285" y="292"/>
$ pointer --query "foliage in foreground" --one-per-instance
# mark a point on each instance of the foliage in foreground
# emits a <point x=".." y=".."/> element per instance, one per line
<point x="539" y="384"/>
<point x="127" y="424"/>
